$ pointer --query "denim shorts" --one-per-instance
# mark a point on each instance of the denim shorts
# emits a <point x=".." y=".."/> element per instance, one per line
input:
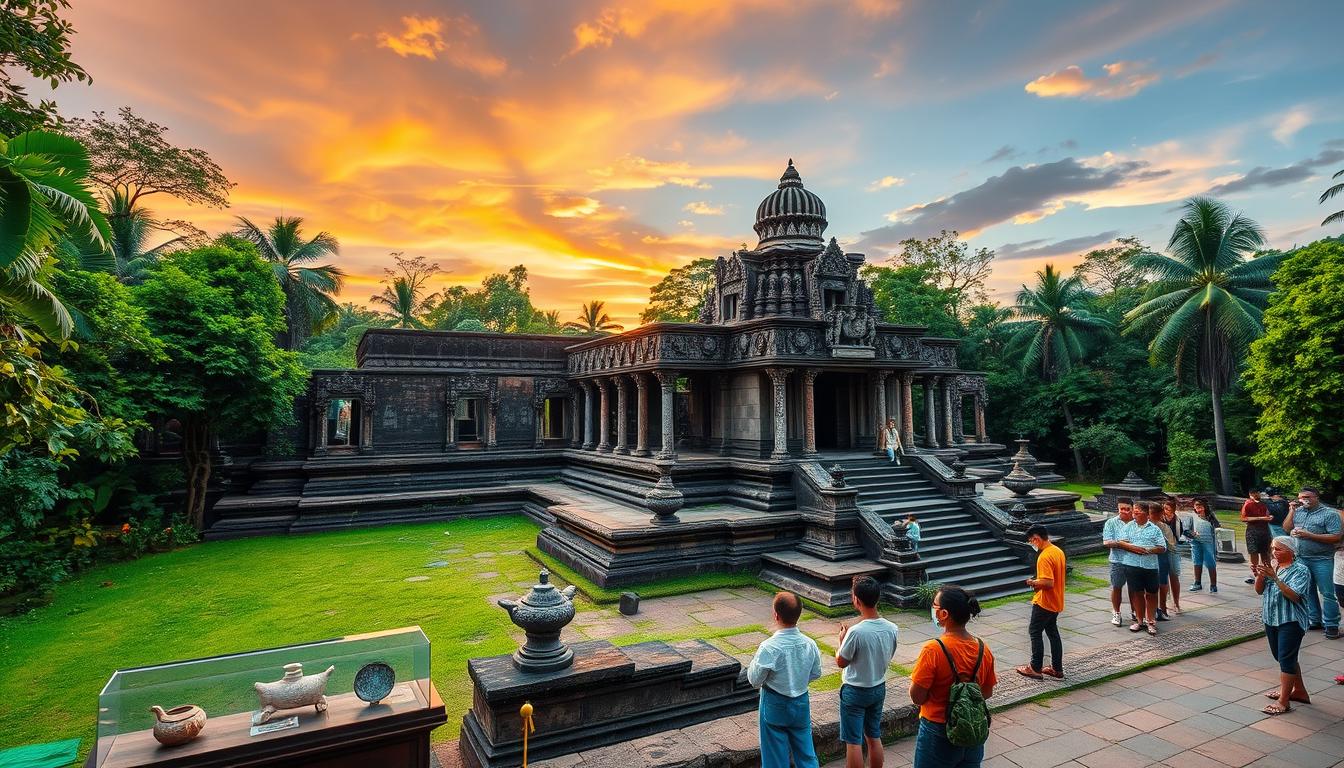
<point x="861" y="712"/>
<point x="1204" y="554"/>
<point x="1284" y="642"/>
<point x="1117" y="575"/>
<point x="1163" y="569"/>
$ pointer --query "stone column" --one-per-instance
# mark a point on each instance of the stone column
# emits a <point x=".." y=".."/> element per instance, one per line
<point x="492" y="420"/>
<point x="450" y="439"/>
<point x="539" y="408"/>
<point x="958" y="417"/>
<point x="880" y="401"/>
<point x="641" y="415"/>
<point x="667" y="383"/>
<point x="810" y="411"/>
<point x="621" y="412"/>
<point x="779" y="378"/>
<point x="930" y="412"/>
<point x="575" y="430"/>
<point x="948" y="385"/>
<point x="588" y="443"/>
<point x="321" y="448"/>
<point x="603" y="418"/>
<point x="724" y="411"/>
<point x="981" y="434"/>
<point x="908" y="410"/>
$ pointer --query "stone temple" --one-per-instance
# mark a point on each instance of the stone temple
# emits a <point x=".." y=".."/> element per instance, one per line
<point x="744" y="441"/>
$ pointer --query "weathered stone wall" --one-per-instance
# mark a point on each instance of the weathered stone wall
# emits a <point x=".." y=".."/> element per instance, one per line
<point x="410" y="413"/>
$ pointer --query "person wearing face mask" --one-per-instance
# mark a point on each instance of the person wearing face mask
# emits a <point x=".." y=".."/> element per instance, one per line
<point x="955" y="655"/>
<point x="1110" y="539"/>
<point x="1317" y="529"/>
<point x="1046" y="605"/>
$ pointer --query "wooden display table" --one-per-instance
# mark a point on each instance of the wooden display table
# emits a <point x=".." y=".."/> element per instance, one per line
<point x="350" y="734"/>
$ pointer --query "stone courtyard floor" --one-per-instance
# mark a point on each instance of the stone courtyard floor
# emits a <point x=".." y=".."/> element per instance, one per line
<point x="1125" y="721"/>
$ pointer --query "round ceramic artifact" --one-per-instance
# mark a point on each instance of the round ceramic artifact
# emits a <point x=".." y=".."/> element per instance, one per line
<point x="177" y="725"/>
<point x="374" y="681"/>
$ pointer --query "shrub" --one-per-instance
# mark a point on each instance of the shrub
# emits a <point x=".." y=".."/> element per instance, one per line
<point x="1188" y="464"/>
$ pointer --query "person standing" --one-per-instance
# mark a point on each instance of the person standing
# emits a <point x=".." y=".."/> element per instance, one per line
<point x="1143" y="543"/>
<point x="782" y="668"/>
<point x="1202" y="545"/>
<point x="1282" y="588"/>
<point x="1047" y="603"/>
<point x="1163" y="560"/>
<point x="1255" y="514"/>
<point x="912" y="531"/>
<point x="1278" y="510"/>
<point x="1173" y="524"/>
<point x="1318" y="530"/>
<point x="1110" y="539"/>
<point x="955" y="656"/>
<point x="864" y="657"/>
<point x="891" y="441"/>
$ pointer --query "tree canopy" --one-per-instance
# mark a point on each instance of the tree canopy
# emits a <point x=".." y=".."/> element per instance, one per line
<point x="953" y="266"/>
<point x="35" y="39"/>
<point x="679" y="296"/>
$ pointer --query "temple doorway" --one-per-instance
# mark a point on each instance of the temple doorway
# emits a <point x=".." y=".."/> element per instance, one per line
<point x="839" y="406"/>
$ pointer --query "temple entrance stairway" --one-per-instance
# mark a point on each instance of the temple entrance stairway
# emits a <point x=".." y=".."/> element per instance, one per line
<point x="955" y="546"/>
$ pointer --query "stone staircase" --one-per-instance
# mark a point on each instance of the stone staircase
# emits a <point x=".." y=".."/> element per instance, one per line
<point x="954" y="545"/>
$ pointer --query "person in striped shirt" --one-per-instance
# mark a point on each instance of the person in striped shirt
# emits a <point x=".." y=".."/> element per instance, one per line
<point x="1143" y="543"/>
<point x="1283" y="609"/>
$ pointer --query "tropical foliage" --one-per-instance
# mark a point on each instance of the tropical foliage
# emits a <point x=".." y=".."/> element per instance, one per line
<point x="679" y="296"/>
<point x="405" y="299"/>
<point x="1203" y="308"/>
<point x="593" y="319"/>
<point x="1296" y="372"/>
<point x="35" y="39"/>
<point x="309" y="288"/>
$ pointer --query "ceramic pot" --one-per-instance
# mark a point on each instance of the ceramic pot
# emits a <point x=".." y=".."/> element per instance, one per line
<point x="178" y="725"/>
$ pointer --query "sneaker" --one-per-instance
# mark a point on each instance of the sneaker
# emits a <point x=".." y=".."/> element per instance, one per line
<point x="1162" y="616"/>
<point x="1152" y="628"/>
<point x="1332" y="633"/>
<point x="1115" y="619"/>
<point x="1250" y="580"/>
<point x="1315" y="627"/>
<point x="1214" y="588"/>
<point x="1196" y="587"/>
<point x="1135" y="627"/>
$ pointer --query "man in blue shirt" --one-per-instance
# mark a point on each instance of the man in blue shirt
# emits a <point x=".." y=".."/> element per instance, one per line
<point x="1110" y="538"/>
<point x="1318" y="531"/>
<point x="1142" y="543"/>
<point x="782" y="668"/>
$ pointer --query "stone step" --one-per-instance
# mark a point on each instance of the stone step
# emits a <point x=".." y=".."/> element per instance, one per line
<point x="822" y="581"/>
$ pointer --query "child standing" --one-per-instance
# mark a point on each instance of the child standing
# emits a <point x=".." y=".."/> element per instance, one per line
<point x="782" y="668"/>
<point x="912" y="531"/>
<point x="865" y="653"/>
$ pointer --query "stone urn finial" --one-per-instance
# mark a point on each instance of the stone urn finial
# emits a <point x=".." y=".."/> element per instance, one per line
<point x="663" y="499"/>
<point x="1019" y="481"/>
<point x="1023" y="456"/>
<point x="958" y="469"/>
<point x="542" y="613"/>
<point x="837" y="473"/>
<point x="1019" y="520"/>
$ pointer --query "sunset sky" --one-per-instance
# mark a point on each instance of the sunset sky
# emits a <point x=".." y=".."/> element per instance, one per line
<point x="603" y="143"/>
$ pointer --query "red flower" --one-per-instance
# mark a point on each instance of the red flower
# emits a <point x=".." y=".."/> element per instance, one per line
<point x="125" y="528"/>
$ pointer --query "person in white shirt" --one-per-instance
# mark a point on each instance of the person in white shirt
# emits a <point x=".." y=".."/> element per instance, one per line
<point x="865" y="654"/>
<point x="891" y="441"/>
<point x="782" y="668"/>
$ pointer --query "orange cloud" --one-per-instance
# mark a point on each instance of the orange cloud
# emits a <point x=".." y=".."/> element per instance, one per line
<point x="702" y="208"/>
<point x="1122" y="80"/>
<point x="459" y="43"/>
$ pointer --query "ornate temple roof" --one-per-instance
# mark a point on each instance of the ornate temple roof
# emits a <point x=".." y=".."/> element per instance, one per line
<point x="790" y="215"/>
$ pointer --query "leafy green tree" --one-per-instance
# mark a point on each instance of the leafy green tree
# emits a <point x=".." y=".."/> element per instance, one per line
<point x="952" y="265"/>
<point x="132" y="227"/>
<point x="679" y="296"/>
<point x="218" y="310"/>
<point x="335" y="347"/>
<point x="309" y="289"/>
<point x="34" y="38"/>
<point x="546" y="322"/>
<point x="1113" y="270"/>
<point x="1051" y="331"/>
<point x="1111" y="445"/>
<point x="1188" y="461"/>
<point x="405" y="299"/>
<point x="1331" y="191"/>
<point x="1204" y="307"/>
<point x="470" y="324"/>
<point x="1296" y="371"/>
<point x="592" y="319"/>
<point x="908" y="295"/>
<point x="43" y="199"/>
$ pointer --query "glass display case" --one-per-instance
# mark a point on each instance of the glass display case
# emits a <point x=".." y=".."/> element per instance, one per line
<point x="395" y="682"/>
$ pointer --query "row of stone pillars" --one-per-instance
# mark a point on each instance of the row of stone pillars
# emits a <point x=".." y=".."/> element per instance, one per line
<point x="942" y="410"/>
<point x="596" y="394"/>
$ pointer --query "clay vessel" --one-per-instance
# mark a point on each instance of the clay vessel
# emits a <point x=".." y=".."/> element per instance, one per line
<point x="292" y="691"/>
<point x="178" y="725"/>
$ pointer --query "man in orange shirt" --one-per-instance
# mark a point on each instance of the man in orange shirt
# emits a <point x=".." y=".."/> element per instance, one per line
<point x="1046" y="605"/>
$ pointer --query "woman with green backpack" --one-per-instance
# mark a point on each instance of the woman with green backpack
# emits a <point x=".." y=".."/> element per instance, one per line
<point x="953" y="676"/>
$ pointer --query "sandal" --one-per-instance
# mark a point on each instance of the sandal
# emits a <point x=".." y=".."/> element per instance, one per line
<point x="1274" y="696"/>
<point x="1050" y="671"/>
<point x="1275" y="709"/>
<point x="1135" y="627"/>
<point x="1152" y="628"/>
<point x="1026" y="671"/>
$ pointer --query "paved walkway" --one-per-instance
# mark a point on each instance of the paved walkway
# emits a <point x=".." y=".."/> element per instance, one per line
<point x="1201" y="712"/>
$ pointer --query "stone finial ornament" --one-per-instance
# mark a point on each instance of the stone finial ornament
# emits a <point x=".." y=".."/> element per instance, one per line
<point x="1019" y="481"/>
<point x="958" y="469"/>
<point x="837" y="473"/>
<point x="541" y="614"/>
<point x="663" y="499"/>
<point x="1023" y="456"/>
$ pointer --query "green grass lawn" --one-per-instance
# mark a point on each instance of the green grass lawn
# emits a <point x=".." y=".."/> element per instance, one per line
<point x="232" y="596"/>
<point x="1086" y="490"/>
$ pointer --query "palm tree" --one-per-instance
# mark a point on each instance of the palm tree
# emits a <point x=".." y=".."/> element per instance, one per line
<point x="43" y="201"/>
<point x="402" y="303"/>
<point x="593" y="320"/>
<point x="545" y="322"/>
<point x="1204" y="308"/>
<point x="1051" y="331"/>
<point x="309" y="306"/>
<point x="131" y="226"/>
<point x="1329" y="193"/>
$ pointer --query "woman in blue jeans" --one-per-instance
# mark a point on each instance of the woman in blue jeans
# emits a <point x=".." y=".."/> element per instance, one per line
<point x="931" y="681"/>
<point x="1202" y="546"/>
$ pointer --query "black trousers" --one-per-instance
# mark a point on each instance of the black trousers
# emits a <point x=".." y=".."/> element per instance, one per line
<point x="1047" y="622"/>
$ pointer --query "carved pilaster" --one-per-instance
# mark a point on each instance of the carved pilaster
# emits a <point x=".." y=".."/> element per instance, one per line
<point x="320" y="406"/>
<point x="958" y="420"/>
<point x="948" y="386"/>
<point x="588" y="393"/>
<point x="779" y="403"/>
<point x="667" y="383"/>
<point x="908" y="410"/>
<point x="575" y="431"/>
<point x="622" y="411"/>
<point x="641" y="415"/>
<point x="724" y="410"/>
<point x="809" y="412"/>
<point x="930" y="412"/>
<point x="981" y="434"/>
<point x="603" y="418"/>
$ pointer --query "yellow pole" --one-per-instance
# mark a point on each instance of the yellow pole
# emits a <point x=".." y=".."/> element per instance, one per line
<point x="528" y="726"/>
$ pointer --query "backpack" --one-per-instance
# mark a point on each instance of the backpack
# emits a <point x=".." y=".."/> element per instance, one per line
<point x="967" y="715"/>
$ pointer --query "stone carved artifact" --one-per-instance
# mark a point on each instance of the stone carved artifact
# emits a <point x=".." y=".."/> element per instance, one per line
<point x="292" y="691"/>
<point x="541" y="614"/>
<point x="374" y="681"/>
<point x="1018" y="481"/>
<point x="178" y="725"/>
